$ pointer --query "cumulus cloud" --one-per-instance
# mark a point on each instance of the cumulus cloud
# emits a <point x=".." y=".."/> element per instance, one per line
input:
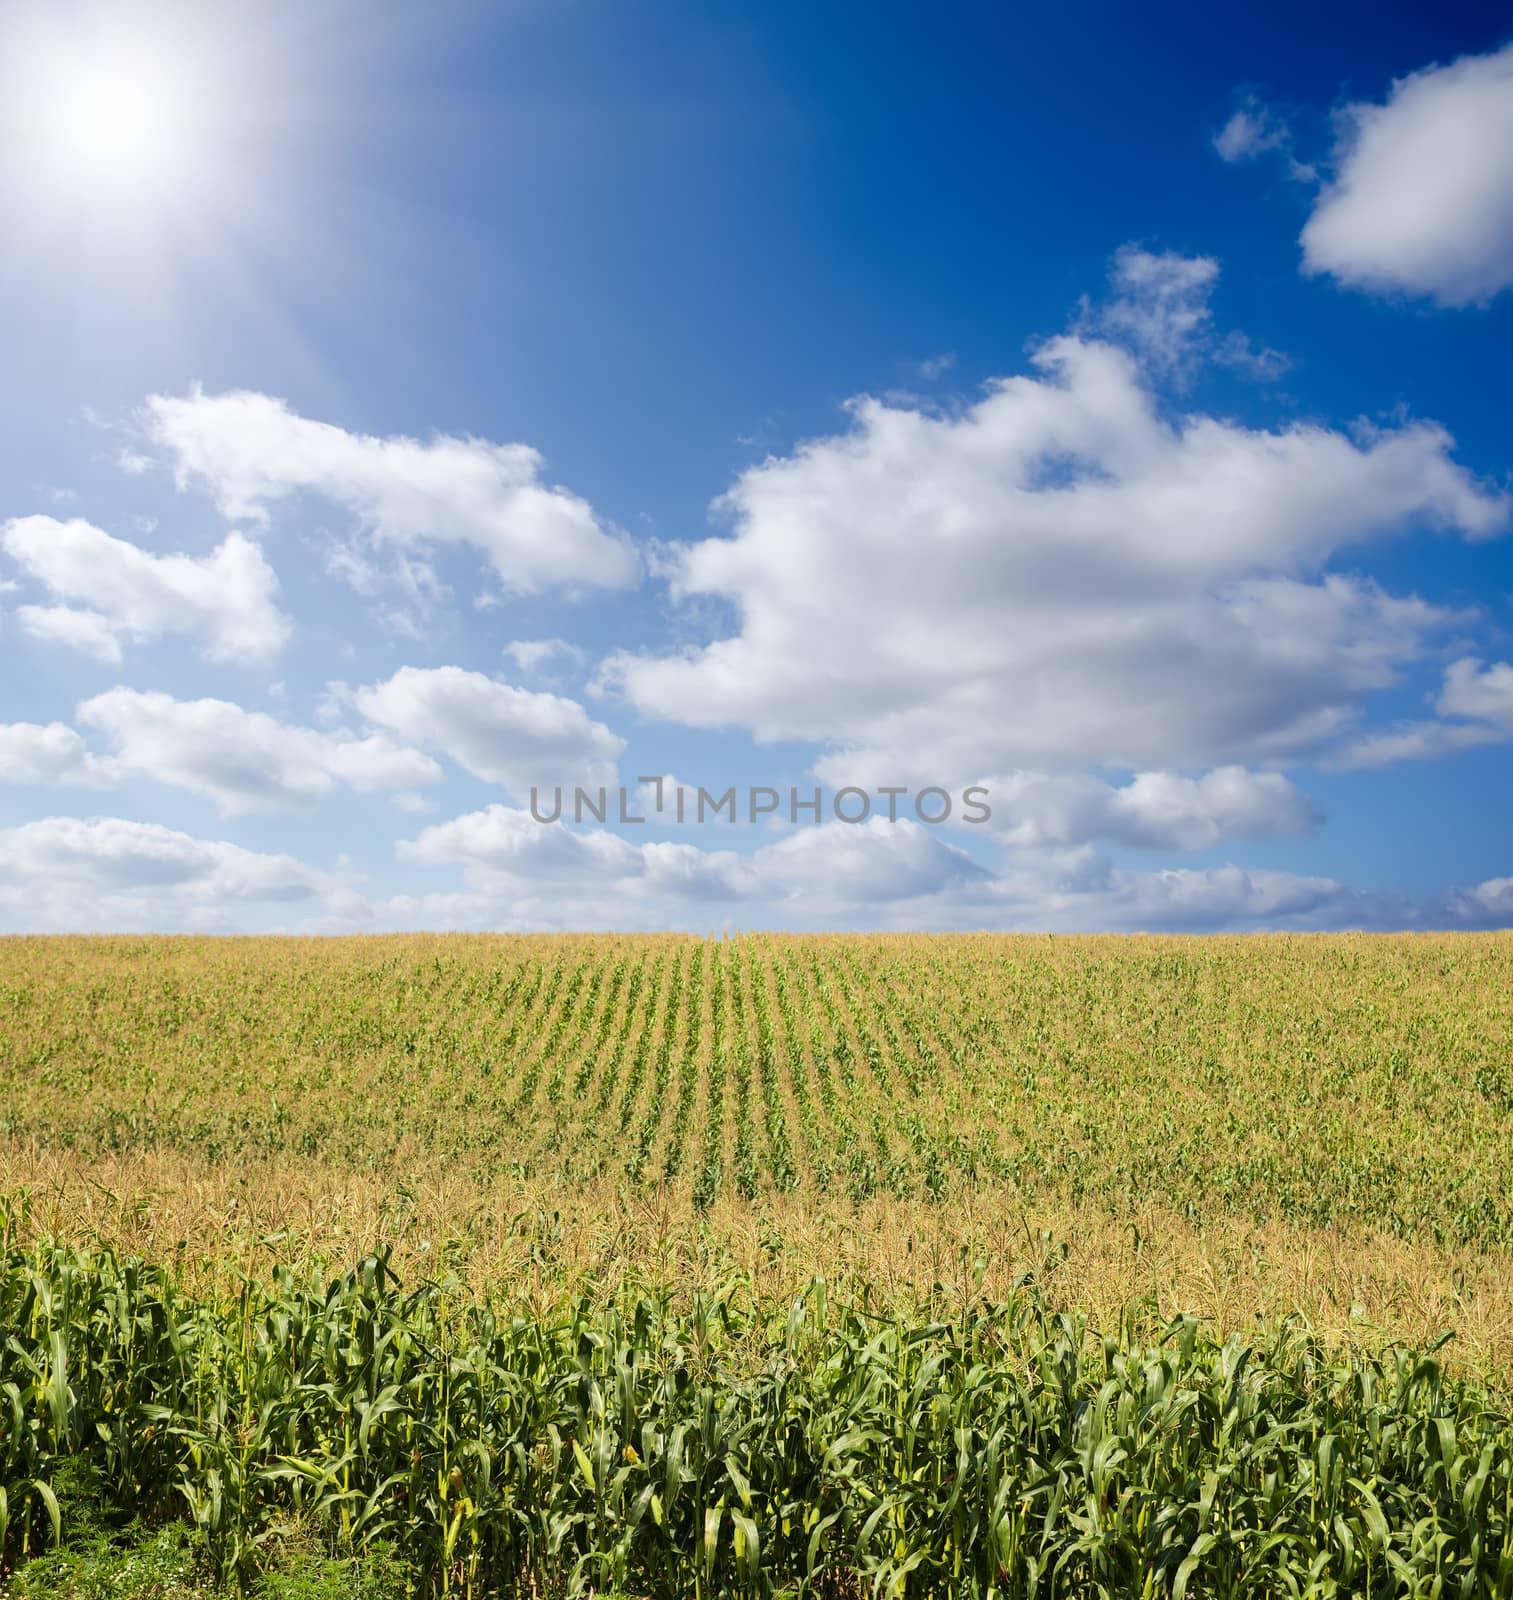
<point x="1475" y="706"/>
<point x="34" y="753"/>
<point x="114" y="591"/>
<point x="1207" y="900"/>
<point x="1153" y="811"/>
<point x="514" y="737"/>
<point x="534" y="874"/>
<point x="1472" y="689"/>
<point x="86" y="632"/>
<point x="518" y="873"/>
<point x="252" y="452"/>
<point x="873" y="874"/>
<point x="873" y="862"/>
<point x="1488" y="905"/>
<point x="595" y="876"/>
<point x="1421" y="202"/>
<point x="245" y="760"/>
<point x="501" y="839"/>
<point x="64" y="874"/>
<point x="1060" y="577"/>
<point x="61" y="874"/>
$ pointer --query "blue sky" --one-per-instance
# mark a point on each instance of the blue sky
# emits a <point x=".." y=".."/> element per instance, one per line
<point x="409" y="406"/>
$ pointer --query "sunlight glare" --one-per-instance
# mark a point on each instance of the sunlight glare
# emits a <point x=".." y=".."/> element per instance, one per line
<point x="114" y="122"/>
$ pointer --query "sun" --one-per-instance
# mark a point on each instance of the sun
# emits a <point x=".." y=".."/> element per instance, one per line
<point x="110" y="122"/>
<point x="139" y="117"/>
<point x="173" y="171"/>
<point x="120" y="114"/>
<point x="136" y="165"/>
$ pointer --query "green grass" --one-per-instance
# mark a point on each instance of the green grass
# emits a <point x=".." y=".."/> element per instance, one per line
<point x="167" y="1563"/>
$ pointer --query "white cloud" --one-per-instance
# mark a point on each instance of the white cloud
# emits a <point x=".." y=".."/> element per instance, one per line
<point x="33" y="753"/>
<point x="1159" y="308"/>
<point x="872" y="874"/>
<point x="84" y="631"/>
<point x="1488" y="905"/>
<point x="1415" y="741"/>
<point x="1422" y="197"/>
<point x="1060" y="578"/>
<point x="519" y="869"/>
<point x="657" y="801"/>
<point x="1477" y="691"/>
<point x="253" y="451"/>
<point x="1265" y="365"/>
<point x="1160" y="303"/>
<point x="64" y="874"/>
<point x="60" y="874"/>
<point x="534" y="655"/>
<point x="245" y="760"/>
<point x="870" y="863"/>
<point x="1154" y="811"/>
<point x="518" y="873"/>
<point x="595" y="876"/>
<point x="1151" y="811"/>
<point x="513" y="737"/>
<point x="120" y="592"/>
<point x="1253" y="130"/>
<point x="1212" y="899"/>
<point x="1482" y="695"/>
<point x="500" y="839"/>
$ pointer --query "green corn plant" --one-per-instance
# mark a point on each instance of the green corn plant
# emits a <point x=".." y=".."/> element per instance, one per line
<point x="724" y="1447"/>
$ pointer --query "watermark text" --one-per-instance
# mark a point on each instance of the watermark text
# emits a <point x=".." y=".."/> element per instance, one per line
<point x="658" y="799"/>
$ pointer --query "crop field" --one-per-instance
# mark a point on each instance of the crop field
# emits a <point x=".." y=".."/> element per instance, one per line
<point x="835" y="1265"/>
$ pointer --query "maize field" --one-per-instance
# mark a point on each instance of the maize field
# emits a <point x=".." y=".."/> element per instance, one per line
<point x="776" y="1265"/>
